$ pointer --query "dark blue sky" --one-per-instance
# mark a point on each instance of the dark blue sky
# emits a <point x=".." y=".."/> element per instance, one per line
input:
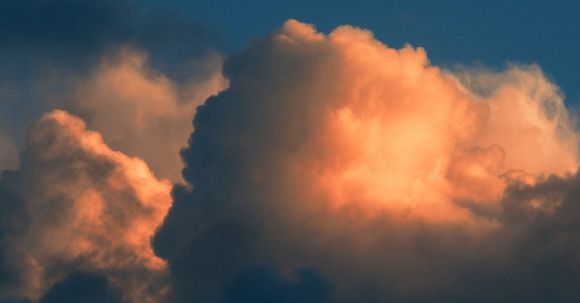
<point x="490" y="33"/>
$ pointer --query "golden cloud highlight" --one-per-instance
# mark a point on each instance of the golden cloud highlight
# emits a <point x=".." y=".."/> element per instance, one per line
<point x="397" y="132"/>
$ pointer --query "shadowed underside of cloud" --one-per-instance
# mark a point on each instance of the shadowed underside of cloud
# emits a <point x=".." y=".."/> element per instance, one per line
<point x="392" y="180"/>
<point x="263" y="284"/>
<point x="81" y="287"/>
<point x="72" y="34"/>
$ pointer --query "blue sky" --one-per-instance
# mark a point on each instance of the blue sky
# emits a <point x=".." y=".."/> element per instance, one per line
<point x="489" y="33"/>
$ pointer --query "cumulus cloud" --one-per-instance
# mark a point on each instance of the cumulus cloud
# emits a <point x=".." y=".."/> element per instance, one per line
<point x="49" y="47"/>
<point x="388" y="178"/>
<point x="73" y="206"/>
<point x="77" y="215"/>
<point x="140" y="111"/>
<point x="134" y="74"/>
<point x="332" y="168"/>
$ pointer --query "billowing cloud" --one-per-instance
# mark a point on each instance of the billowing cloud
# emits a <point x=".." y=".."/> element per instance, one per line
<point x="332" y="168"/>
<point x="134" y="74"/>
<point x="49" y="47"/>
<point x="386" y="178"/>
<point x="141" y="112"/>
<point x="77" y="217"/>
<point x="73" y="206"/>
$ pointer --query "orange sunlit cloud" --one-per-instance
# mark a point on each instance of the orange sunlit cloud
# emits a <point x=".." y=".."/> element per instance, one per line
<point x="383" y="172"/>
<point x="108" y="205"/>
<point x="396" y="132"/>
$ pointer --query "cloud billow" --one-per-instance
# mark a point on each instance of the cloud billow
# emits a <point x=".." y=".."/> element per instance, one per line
<point x="391" y="179"/>
<point x="76" y="208"/>
<point x="330" y="168"/>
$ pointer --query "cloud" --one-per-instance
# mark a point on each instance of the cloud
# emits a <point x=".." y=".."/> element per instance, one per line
<point x="49" y="47"/>
<point x="81" y="287"/>
<point x="74" y="34"/>
<point x="391" y="179"/>
<point x="141" y="112"/>
<point x="331" y="169"/>
<point x="263" y="284"/>
<point x="75" y="210"/>
<point x="75" y="206"/>
<point x="8" y="153"/>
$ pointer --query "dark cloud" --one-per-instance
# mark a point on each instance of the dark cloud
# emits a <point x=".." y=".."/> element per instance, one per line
<point x="542" y="223"/>
<point x="88" y="57"/>
<point x="263" y="284"/>
<point x="82" y="287"/>
<point x="13" y="215"/>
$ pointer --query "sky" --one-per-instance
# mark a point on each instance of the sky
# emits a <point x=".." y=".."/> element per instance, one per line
<point x="489" y="33"/>
<point x="289" y="152"/>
